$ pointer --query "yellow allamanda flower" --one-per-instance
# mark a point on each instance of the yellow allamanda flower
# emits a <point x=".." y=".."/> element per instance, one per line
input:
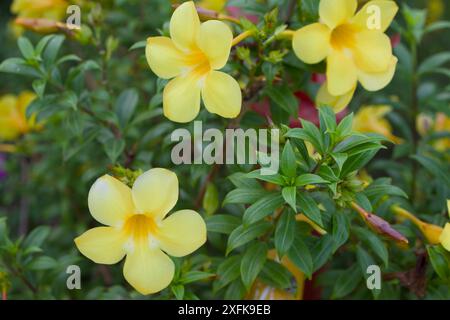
<point x="433" y="234"/>
<point x="192" y="57"/>
<point x="137" y="227"/>
<point x="47" y="9"/>
<point x="354" y="45"/>
<point x="370" y="119"/>
<point x="13" y="120"/>
<point x="441" y="123"/>
<point x="216" y="5"/>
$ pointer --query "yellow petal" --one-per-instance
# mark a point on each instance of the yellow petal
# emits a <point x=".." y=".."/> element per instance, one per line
<point x="372" y="51"/>
<point x="110" y="201"/>
<point x="214" y="39"/>
<point x="341" y="73"/>
<point x="155" y="192"/>
<point x="445" y="237"/>
<point x="103" y="245"/>
<point x="311" y="44"/>
<point x="164" y="58"/>
<point x="184" y="26"/>
<point x="222" y="95"/>
<point x="148" y="270"/>
<point x="338" y="103"/>
<point x="379" y="80"/>
<point x="448" y="207"/>
<point x="182" y="233"/>
<point x="365" y="17"/>
<point x="336" y="12"/>
<point x="181" y="99"/>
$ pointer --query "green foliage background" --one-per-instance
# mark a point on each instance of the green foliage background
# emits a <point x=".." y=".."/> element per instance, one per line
<point x="102" y="111"/>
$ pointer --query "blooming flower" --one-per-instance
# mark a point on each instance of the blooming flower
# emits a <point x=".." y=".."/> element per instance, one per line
<point x="426" y="124"/>
<point x="137" y="227"/>
<point x="354" y="46"/>
<point x="192" y="57"/>
<point x="13" y="121"/>
<point x="370" y="119"/>
<point x="216" y="5"/>
<point x="48" y="9"/>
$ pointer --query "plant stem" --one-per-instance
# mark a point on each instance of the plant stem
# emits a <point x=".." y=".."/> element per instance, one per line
<point x="241" y="37"/>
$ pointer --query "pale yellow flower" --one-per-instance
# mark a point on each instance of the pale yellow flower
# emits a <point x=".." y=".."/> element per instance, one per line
<point x="192" y="57"/>
<point x="441" y="123"/>
<point x="370" y="119"/>
<point x="445" y="235"/>
<point x="47" y="9"/>
<point x="354" y="46"/>
<point x="137" y="227"/>
<point x="13" y="120"/>
<point x="216" y="5"/>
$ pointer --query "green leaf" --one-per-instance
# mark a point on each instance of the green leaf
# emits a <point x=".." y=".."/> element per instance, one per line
<point x="356" y="162"/>
<point x="243" y="196"/>
<point x="252" y="263"/>
<point x="345" y="283"/>
<point x="438" y="25"/>
<point x="26" y="48"/>
<point x="273" y="178"/>
<point x="434" y="167"/>
<point x="433" y="62"/>
<point x="439" y="261"/>
<point x="309" y="178"/>
<point x="288" y="161"/>
<point x="364" y="260"/>
<point x="309" y="208"/>
<point x="262" y="208"/>
<point x="37" y="237"/>
<point x="289" y="195"/>
<point x="43" y="263"/>
<point x="228" y="271"/>
<point x="211" y="199"/>
<point x="328" y="174"/>
<point x="126" y="106"/>
<point x="300" y="255"/>
<point x="194" y="276"/>
<point x="322" y="251"/>
<point x="377" y="246"/>
<point x="344" y="127"/>
<point x="243" y="235"/>
<point x="221" y="223"/>
<point x="341" y="228"/>
<point x="138" y="45"/>
<point x="340" y="159"/>
<point x="114" y="148"/>
<point x="18" y="66"/>
<point x="241" y="180"/>
<point x="284" y="233"/>
<point x="327" y="119"/>
<point x="276" y="275"/>
<point x="363" y="201"/>
<point x="178" y="291"/>
<point x="376" y="190"/>
<point x="52" y="48"/>
<point x="284" y="98"/>
<point x="313" y="134"/>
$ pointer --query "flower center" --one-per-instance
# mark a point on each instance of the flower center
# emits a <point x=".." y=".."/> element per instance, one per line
<point x="198" y="63"/>
<point x="140" y="226"/>
<point x="343" y="36"/>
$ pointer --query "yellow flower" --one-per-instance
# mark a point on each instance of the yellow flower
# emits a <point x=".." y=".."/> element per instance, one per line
<point x="137" y="227"/>
<point x="47" y="9"/>
<point x="370" y="119"/>
<point x="445" y="235"/>
<point x="191" y="56"/>
<point x="13" y="121"/>
<point x="426" y="124"/>
<point x="216" y="5"/>
<point x="354" y="46"/>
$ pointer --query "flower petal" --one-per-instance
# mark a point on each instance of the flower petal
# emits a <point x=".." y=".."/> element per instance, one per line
<point x="445" y="237"/>
<point x="379" y="80"/>
<point x="155" y="192"/>
<point x="222" y="95"/>
<point x="368" y="15"/>
<point x="110" y="201"/>
<point x="148" y="270"/>
<point x="338" y="103"/>
<point x="184" y="26"/>
<point x="336" y="12"/>
<point x="182" y="233"/>
<point x="341" y="73"/>
<point x="181" y="99"/>
<point x="103" y="245"/>
<point x="164" y="58"/>
<point x="214" y="39"/>
<point x="311" y="44"/>
<point x="372" y="51"/>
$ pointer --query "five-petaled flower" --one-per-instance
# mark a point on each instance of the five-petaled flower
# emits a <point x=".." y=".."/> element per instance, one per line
<point x="355" y="50"/>
<point x="48" y="9"/>
<point x="192" y="57"/>
<point x="13" y="120"/>
<point x="137" y="227"/>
